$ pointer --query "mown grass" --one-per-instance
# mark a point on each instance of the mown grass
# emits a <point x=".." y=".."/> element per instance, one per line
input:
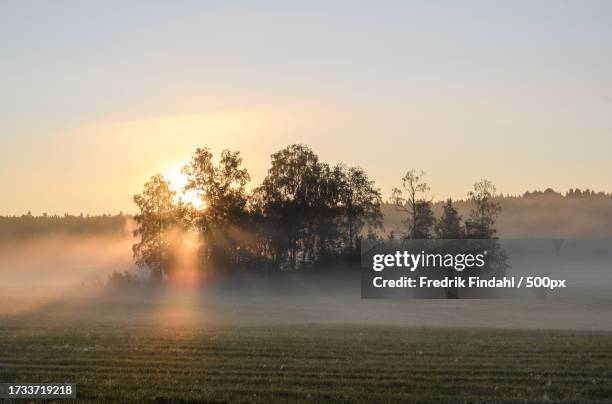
<point x="306" y="363"/>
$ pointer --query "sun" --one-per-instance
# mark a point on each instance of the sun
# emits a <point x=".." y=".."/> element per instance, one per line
<point x="177" y="181"/>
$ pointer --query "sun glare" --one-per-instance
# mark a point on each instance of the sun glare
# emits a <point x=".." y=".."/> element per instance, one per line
<point x="178" y="180"/>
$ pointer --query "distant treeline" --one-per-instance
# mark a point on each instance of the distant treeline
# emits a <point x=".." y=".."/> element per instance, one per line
<point x="545" y="213"/>
<point x="572" y="193"/>
<point x="27" y="226"/>
<point x="535" y="215"/>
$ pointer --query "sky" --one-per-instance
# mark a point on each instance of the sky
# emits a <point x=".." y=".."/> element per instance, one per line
<point x="95" y="97"/>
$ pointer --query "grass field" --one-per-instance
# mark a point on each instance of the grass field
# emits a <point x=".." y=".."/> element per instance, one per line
<point x="173" y="347"/>
<point x="341" y="363"/>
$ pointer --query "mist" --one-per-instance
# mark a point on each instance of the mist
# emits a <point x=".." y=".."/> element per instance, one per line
<point x="58" y="277"/>
<point x="51" y="264"/>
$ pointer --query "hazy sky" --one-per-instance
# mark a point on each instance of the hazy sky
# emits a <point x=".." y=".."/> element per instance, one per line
<point x="97" y="96"/>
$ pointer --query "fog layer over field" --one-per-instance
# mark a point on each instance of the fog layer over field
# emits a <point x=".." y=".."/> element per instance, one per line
<point x="42" y="282"/>
<point x="53" y="276"/>
<point x="50" y="264"/>
<point x="164" y="310"/>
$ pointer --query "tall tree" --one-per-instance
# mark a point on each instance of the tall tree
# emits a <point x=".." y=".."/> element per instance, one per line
<point x="449" y="225"/>
<point x="421" y="218"/>
<point x="361" y="202"/>
<point x="481" y="226"/>
<point x="157" y="223"/>
<point x="221" y="187"/>
<point x="291" y="196"/>
<point x="481" y="223"/>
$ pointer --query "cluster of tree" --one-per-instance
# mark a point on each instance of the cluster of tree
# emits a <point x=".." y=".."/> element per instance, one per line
<point x="305" y="213"/>
<point x="421" y="222"/>
<point x="479" y="226"/>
